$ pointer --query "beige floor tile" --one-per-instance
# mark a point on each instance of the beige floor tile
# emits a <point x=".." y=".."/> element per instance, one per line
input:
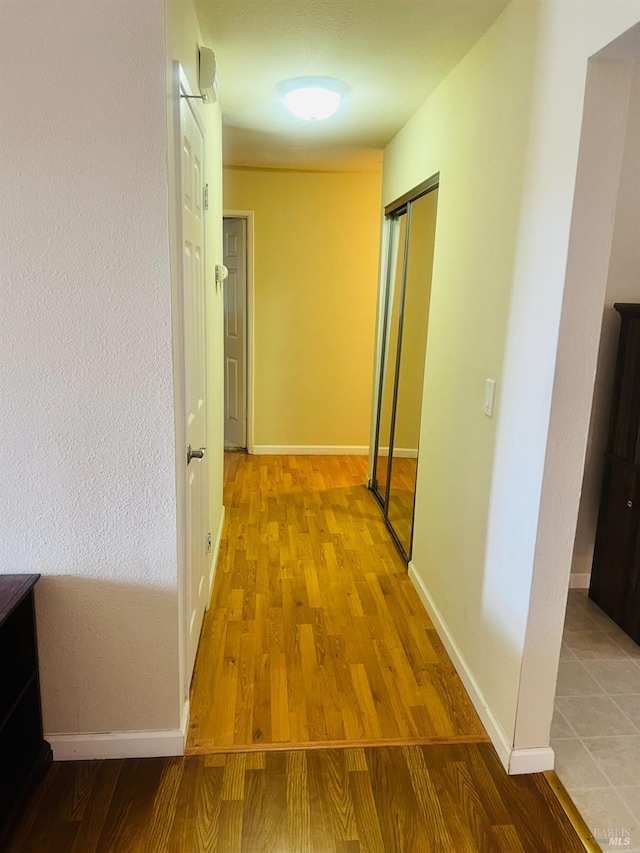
<point x="599" y="617"/>
<point x="560" y="728"/>
<point x="625" y="642"/>
<point x="594" y="716"/>
<point x="578" y="598"/>
<point x="615" y="676"/>
<point x="630" y="705"/>
<point x="566" y="653"/>
<point x="575" y="766"/>
<point x="594" y="645"/>
<point x="618" y="757"/>
<point x="596" y="650"/>
<point x="631" y="798"/>
<point x="575" y="680"/>
<point x="578" y="619"/>
<point x="607" y="816"/>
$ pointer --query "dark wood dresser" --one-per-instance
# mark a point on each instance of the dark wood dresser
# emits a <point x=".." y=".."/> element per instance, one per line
<point x="24" y="754"/>
<point x="615" y="574"/>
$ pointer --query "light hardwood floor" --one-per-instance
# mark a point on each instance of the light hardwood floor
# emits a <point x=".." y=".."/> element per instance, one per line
<point x="436" y="799"/>
<point x="316" y="635"/>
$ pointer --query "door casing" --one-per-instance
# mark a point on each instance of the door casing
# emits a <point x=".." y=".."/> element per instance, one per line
<point x="248" y="216"/>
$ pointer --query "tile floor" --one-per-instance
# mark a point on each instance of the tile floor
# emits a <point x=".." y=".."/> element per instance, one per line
<point x="596" y="726"/>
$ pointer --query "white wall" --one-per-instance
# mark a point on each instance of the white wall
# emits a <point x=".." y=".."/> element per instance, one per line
<point x="503" y="130"/>
<point x="88" y="493"/>
<point x="623" y="285"/>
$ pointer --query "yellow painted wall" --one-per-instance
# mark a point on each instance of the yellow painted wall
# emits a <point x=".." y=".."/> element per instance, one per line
<point x="316" y="273"/>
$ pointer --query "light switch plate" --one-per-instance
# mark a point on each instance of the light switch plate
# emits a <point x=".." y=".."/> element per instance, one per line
<point x="489" y="397"/>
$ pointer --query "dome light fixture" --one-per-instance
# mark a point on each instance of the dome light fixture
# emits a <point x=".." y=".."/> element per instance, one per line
<point x="312" y="98"/>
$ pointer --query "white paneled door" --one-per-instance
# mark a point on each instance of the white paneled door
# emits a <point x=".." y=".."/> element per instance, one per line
<point x="235" y="335"/>
<point x="192" y="147"/>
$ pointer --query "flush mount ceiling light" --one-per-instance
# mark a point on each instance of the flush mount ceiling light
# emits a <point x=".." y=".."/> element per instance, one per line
<point x="312" y="98"/>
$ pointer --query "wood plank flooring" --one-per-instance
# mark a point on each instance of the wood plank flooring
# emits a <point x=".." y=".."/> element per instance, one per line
<point x="375" y="800"/>
<point x="316" y="635"/>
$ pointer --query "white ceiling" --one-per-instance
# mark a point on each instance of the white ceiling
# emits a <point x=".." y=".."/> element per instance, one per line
<point x="391" y="53"/>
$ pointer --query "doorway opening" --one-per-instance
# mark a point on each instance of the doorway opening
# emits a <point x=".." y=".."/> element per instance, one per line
<point x="238" y="330"/>
<point x="595" y="733"/>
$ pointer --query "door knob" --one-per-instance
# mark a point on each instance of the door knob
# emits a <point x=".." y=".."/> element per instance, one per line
<point x="194" y="454"/>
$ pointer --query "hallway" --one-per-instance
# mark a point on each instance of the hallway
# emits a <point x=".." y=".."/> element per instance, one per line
<point x="316" y="636"/>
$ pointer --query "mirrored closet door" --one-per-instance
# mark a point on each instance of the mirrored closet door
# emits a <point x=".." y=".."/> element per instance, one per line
<point x="404" y="317"/>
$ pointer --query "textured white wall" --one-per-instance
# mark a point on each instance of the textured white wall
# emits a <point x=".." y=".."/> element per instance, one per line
<point x="87" y="493"/>
<point x="623" y="285"/>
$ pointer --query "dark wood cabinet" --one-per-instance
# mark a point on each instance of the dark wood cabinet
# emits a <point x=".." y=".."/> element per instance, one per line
<point x="615" y="574"/>
<point x="24" y="754"/>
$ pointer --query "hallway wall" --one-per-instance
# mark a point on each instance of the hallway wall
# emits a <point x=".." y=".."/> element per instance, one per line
<point x="503" y="130"/>
<point x="316" y="273"/>
<point x="88" y="491"/>
<point x="487" y="99"/>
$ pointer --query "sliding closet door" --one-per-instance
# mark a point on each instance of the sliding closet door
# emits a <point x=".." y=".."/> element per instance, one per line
<point x="417" y="295"/>
<point x="402" y="358"/>
<point x="389" y="358"/>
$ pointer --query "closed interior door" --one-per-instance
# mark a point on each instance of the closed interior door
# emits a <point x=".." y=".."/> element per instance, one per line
<point x="192" y="190"/>
<point x="235" y="334"/>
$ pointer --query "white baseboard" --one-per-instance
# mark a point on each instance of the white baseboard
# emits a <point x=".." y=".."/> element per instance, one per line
<point x="147" y="744"/>
<point x="579" y="580"/>
<point x="309" y="450"/>
<point x="495" y="731"/>
<point x="531" y="760"/>
<point x="214" y="556"/>
<point x="581" y="570"/>
<point x="515" y="761"/>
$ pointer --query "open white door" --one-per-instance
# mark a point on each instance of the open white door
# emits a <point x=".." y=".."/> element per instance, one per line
<point x="194" y="318"/>
<point x="235" y="333"/>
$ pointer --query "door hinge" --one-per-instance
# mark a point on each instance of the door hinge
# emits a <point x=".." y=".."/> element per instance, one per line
<point x="205" y="197"/>
<point x="208" y="543"/>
